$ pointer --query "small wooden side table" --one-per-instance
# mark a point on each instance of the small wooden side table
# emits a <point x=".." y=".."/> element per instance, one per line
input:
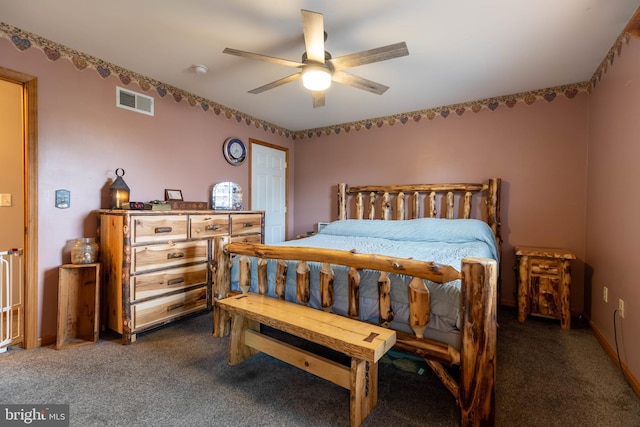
<point x="305" y="235"/>
<point x="544" y="283"/>
<point x="78" y="305"/>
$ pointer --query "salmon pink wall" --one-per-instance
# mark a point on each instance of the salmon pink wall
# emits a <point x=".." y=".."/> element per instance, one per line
<point x="83" y="137"/>
<point x="612" y="232"/>
<point x="538" y="150"/>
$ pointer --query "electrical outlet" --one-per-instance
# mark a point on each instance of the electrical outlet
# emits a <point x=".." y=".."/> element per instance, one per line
<point x="605" y="294"/>
<point x="621" y="307"/>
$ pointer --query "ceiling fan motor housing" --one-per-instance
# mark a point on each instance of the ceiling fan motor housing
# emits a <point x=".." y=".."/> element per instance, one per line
<point x="327" y="56"/>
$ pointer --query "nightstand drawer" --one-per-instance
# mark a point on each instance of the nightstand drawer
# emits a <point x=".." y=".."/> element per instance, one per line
<point x="159" y="228"/>
<point x="545" y="267"/>
<point x="208" y="225"/>
<point x="159" y="310"/>
<point x="160" y="282"/>
<point x="152" y="257"/>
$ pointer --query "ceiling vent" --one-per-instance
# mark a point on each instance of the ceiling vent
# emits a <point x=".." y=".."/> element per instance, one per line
<point x="134" y="101"/>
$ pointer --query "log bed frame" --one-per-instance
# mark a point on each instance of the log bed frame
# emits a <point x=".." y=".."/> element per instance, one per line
<point x="474" y="389"/>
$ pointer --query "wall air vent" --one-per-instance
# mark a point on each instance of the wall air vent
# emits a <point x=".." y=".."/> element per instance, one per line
<point x="134" y="101"/>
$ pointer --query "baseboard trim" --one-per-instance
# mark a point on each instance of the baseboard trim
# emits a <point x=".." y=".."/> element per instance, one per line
<point x="508" y="303"/>
<point x="45" y="341"/>
<point x="633" y="381"/>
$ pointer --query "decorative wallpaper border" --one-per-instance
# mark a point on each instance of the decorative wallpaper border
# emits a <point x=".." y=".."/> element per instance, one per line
<point x="23" y="40"/>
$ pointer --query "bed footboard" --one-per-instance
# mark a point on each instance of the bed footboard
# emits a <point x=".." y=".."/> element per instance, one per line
<point x="475" y="389"/>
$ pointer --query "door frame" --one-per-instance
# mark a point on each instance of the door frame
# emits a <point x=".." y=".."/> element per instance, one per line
<point x="30" y="188"/>
<point x="286" y="178"/>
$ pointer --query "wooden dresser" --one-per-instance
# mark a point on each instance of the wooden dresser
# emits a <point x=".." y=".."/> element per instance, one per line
<point x="157" y="265"/>
<point x="544" y="283"/>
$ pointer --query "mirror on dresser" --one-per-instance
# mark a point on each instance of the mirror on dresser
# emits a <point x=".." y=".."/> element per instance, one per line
<point x="226" y="196"/>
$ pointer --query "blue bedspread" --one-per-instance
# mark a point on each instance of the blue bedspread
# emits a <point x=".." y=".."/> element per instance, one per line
<point x="395" y="237"/>
<point x="446" y="241"/>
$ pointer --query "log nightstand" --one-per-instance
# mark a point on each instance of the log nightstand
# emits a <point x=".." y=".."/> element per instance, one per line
<point x="544" y="283"/>
<point x="305" y="235"/>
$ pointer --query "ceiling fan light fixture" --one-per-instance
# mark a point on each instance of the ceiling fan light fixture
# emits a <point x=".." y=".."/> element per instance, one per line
<point x="316" y="77"/>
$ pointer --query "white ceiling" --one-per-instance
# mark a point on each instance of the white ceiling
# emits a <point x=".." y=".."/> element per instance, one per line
<point x="459" y="51"/>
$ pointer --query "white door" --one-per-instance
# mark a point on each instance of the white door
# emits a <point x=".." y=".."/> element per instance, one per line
<point x="269" y="189"/>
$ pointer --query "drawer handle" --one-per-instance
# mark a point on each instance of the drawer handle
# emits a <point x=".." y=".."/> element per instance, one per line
<point x="174" y="306"/>
<point x="213" y="227"/>
<point x="176" y="281"/>
<point x="173" y="255"/>
<point x="163" y="230"/>
<point x="248" y="224"/>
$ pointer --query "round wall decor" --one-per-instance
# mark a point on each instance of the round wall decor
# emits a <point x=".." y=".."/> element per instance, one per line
<point x="234" y="150"/>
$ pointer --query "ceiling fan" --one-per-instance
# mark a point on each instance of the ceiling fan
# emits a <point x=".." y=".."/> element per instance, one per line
<point x="318" y="68"/>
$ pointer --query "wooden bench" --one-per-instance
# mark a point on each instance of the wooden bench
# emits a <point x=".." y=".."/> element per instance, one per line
<point x="364" y="343"/>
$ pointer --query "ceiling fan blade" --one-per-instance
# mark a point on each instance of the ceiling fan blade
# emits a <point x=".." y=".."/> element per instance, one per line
<point x="313" y="29"/>
<point x="359" y="82"/>
<point x="369" y="56"/>
<point x="318" y="98"/>
<point x="277" y="83"/>
<point x="260" y="57"/>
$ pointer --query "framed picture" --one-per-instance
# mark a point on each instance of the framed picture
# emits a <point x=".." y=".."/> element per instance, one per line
<point x="173" y="195"/>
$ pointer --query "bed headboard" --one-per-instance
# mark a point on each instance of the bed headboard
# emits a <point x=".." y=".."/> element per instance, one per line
<point x="423" y="200"/>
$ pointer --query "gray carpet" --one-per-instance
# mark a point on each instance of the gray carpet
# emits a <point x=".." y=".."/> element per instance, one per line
<point x="178" y="376"/>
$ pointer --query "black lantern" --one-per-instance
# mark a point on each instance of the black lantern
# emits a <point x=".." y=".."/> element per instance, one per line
<point x="119" y="191"/>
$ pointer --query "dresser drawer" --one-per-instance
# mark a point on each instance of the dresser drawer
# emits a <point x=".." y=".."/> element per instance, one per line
<point x="160" y="282"/>
<point x="247" y="238"/>
<point x="246" y="224"/>
<point x="159" y="310"/>
<point x="159" y="228"/>
<point x="165" y="255"/>
<point x="208" y="225"/>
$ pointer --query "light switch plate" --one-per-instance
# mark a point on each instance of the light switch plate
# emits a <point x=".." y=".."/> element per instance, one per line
<point x="5" y="200"/>
<point x="63" y="199"/>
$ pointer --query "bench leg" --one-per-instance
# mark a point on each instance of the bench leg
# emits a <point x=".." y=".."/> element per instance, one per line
<point x="238" y="350"/>
<point x="364" y="390"/>
<point x="220" y="322"/>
